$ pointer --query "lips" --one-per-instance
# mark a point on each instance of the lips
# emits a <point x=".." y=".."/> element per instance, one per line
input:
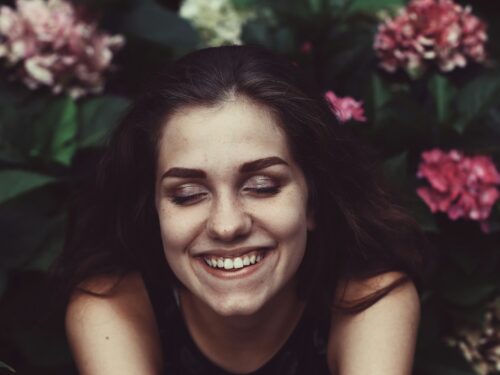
<point x="234" y="252"/>
<point x="236" y="273"/>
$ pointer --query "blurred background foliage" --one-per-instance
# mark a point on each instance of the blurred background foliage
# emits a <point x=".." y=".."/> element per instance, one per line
<point x="49" y="142"/>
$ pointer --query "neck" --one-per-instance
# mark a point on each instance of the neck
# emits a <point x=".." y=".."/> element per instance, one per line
<point x="226" y="339"/>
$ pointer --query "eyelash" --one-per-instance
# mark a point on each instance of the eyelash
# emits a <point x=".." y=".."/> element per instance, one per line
<point x="268" y="190"/>
<point x="180" y="200"/>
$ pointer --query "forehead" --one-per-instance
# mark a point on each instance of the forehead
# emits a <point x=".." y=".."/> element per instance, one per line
<point x="231" y="133"/>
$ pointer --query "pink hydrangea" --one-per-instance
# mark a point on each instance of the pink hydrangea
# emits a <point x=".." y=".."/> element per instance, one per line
<point x="346" y="108"/>
<point x="430" y="31"/>
<point x="45" y="43"/>
<point x="462" y="186"/>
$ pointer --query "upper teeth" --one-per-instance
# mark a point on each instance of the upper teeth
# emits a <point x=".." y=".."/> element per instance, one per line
<point x="230" y="263"/>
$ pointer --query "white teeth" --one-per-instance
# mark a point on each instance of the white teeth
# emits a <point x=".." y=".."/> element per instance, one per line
<point x="233" y="263"/>
<point x="246" y="261"/>
<point x="238" y="263"/>
<point x="228" y="264"/>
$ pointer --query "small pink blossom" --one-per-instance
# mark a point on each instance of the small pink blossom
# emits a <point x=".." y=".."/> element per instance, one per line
<point x="462" y="186"/>
<point x="428" y="31"/>
<point x="46" y="43"/>
<point x="346" y="108"/>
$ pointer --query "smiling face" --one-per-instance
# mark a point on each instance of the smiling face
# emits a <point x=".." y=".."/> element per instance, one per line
<point x="228" y="193"/>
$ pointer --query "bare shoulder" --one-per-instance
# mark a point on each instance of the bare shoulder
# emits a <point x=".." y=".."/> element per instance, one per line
<point x="116" y="334"/>
<point x="380" y="339"/>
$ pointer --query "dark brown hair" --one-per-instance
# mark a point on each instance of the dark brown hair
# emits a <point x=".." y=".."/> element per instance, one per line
<point x="360" y="232"/>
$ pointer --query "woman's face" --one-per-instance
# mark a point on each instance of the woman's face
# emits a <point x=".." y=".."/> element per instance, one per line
<point x="229" y="194"/>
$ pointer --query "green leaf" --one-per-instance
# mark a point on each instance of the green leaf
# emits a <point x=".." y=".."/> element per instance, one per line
<point x="316" y="5"/>
<point x="492" y="120"/>
<point x="433" y="356"/>
<point x="435" y="368"/>
<point x="423" y="215"/>
<point x="98" y="117"/>
<point x="475" y="99"/>
<point x="469" y="316"/>
<point x="279" y="39"/>
<point x="20" y="115"/>
<point x="151" y="22"/>
<point x="26" y="222"/>
<point x="465" y="260"/>
<point x="381" y="91"/>
<point x="443" y="92"/>
<point x="243" y="4"/>
<point x="257" y="32"/>
<point x="396" y="174"/>
<point x="41" y="346"/>
<point x="51" y="247"/>
<point x="469" y="295"/>
<point x="6" y="366"/>
<point x="56" y="132"/>
<point x="373" y="6"/>
<point x="400" y="123"/>
<point x="10" y="125"/>
<point x="395" y="171"/>
<point x="17" y="182"/>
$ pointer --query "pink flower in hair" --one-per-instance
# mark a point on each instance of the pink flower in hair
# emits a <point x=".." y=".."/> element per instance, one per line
<point x="46" y="43"/>
<point x="346" y="108"/>
<point x="430" y="31"/>
<point x="462" y="186"/>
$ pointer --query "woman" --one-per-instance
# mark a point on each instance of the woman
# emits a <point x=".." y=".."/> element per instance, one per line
<point x="235" y="227"/>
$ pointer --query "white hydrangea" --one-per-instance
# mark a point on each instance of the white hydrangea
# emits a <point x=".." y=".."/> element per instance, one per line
<point x="217" y="21"/>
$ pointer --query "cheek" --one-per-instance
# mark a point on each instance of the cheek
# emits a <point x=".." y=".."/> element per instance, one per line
<point x="286" y="217"/>
<point x="177" y="229"/>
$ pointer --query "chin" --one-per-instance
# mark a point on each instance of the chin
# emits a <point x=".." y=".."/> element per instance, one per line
<point x="236" y="307"/>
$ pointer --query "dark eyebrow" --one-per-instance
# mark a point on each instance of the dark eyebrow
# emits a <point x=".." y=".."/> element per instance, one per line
<point x="247" y="167"/>
<point x="259" y="164"/>
<point x="184" y="173"/>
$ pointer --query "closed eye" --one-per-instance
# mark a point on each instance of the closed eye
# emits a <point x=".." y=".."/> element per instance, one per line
<point x="186" y="194"/>
<point x="265" y="190"/>
<point x="180" y="200"/>
<point x="256" y="185"/>
<point x="262" y="185"/>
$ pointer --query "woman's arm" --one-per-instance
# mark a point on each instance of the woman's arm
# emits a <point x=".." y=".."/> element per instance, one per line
<point x="116" y="334"/>
<point x="380" y="340"/>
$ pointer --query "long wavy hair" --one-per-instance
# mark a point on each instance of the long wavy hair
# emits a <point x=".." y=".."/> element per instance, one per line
<point x="360" y="231"/>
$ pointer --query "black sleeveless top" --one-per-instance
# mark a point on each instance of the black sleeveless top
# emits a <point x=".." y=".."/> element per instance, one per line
<point x="303" y="353"/>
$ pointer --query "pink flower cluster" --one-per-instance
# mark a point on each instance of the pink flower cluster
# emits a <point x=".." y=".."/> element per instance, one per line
<point x="346" y="108"/>
<point x="438" y="31"/>
<point x="462" y="186"/>
<point x="45" y="43"/>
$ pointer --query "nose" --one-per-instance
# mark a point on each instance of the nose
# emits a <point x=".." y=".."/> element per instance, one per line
<point x="228" y="220"/>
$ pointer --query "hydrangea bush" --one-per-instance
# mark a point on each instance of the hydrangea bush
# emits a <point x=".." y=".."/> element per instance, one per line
<point x="45" y="43"/>
<point x="417" y="79"/>
<point x="461" y="186"/>
<point x="426" y="32"/>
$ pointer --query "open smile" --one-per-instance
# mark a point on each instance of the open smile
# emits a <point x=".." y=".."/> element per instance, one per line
<point x="235" y="267"/>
